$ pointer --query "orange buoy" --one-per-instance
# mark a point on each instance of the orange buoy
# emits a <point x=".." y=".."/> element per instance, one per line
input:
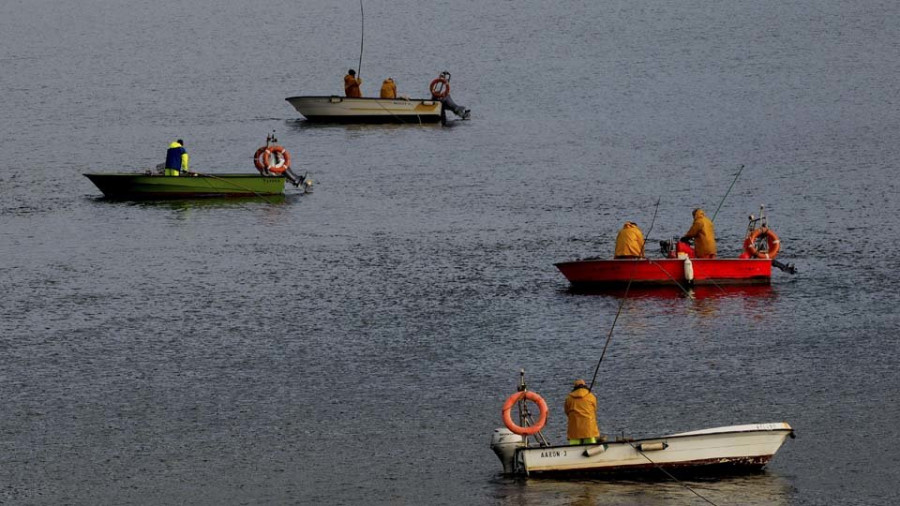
<point x="272" y="159"/>
<point x="529" y="396"/>
<point x="440" y="87"/>
<point x="772" y="241"/>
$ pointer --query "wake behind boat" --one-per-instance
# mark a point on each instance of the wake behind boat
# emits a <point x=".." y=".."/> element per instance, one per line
<point x="340" y="109"/>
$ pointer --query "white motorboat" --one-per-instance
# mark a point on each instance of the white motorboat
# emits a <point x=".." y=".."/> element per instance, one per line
<point x="337" y="109"/>
<point x="728" y="450"/>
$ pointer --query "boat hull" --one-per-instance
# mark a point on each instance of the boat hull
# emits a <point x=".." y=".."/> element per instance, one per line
<point x="733" y="449"/>
<point x="666" y="271"/>
<point x="335" y="109"/>
<point x="155" y="186"/>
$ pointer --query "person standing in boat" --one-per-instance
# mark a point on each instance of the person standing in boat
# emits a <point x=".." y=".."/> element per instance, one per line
<point x="629" y="242"/>
<point x="581" y="410"/>
<point x="351" y="84"/>
<point x="388" y="88"/>
<point x="704" y="235"/>
<point x="177" y="159"/>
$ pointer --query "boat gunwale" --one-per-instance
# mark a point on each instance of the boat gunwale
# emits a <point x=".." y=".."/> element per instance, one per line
<point x="656" y="260"/>
<point x="789" y="430"/>
<point x="288" y="99"/>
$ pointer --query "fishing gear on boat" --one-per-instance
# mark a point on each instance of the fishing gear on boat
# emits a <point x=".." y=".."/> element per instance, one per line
<point x="275" y="160"/>
<point x="621" y="303"/>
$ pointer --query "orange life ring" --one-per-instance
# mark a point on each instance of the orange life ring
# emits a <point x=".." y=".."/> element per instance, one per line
<point x="272" y="159"/>
<point x="771" y="240"/>
<point x="530" y="396"/>
<point x="440" y="87"/>
<point x="257" y="159"/>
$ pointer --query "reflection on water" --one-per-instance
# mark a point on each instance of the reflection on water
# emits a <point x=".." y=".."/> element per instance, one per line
<point x="204" y="203"/>
<point x="678" y="292"/>
<point x="762" y="488"/>
<point x="302" y="124"/>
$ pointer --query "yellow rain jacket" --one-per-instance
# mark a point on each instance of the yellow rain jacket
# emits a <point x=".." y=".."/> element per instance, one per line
<point x="630" y="242"/>
<point x="177" y="159"/>
<point x="581" y="408"/>
<point x="351" y="86"/>
<point x="704" y="235"/>
<point x="388" y="89"/>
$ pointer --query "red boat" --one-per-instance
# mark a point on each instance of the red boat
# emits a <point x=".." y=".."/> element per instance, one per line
<point x="667" y="271"/>
<point x="679" y="267"/>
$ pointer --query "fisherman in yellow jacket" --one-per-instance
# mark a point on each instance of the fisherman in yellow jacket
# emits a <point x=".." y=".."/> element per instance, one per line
<point x="177" y="159"/>
<point x="629" y="242"/>
<point x="581" y="409"/>
<point x="388" y="88"/>
<point x="351" y="84"/>
<point x="704" y="235"/>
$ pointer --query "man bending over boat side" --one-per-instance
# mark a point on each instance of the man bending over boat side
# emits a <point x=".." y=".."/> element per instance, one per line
<point x="581" y="410"/>
<point x="629" y="242"/>
<point x="388" y="88"/>
<point x="704" y="235"/>
<point x="177" y="159"/>
<point x="351" y="84"/>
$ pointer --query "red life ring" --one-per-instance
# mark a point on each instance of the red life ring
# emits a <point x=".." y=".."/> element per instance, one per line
<point x="272" y="159"/>
<point x="771" y="240"/>
<point x="530" y="396"/>
<point x="440" y="87"/>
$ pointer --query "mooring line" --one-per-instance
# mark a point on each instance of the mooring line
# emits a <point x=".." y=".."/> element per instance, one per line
<point x="657" y="466"/>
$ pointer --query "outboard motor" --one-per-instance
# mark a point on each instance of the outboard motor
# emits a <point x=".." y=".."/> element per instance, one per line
<point x="504" y="443"/>
<point x="305" y="182"/>
<point x="440" y="90"/>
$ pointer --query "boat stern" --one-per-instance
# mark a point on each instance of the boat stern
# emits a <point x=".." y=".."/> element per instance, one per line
<point x="505" y="442"/>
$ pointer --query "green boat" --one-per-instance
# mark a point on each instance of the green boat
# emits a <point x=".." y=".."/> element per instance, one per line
<point x="190" y="185"/>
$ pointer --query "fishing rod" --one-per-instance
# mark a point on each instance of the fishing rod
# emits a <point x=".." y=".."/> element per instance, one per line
<point x="362" y="37"/>
<point x="621" y="304"/>
<point x="726" y="193"/>
<point x="653" y="221"/>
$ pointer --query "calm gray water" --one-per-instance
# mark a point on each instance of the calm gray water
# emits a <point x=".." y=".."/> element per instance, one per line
<point x="354" y="345"/>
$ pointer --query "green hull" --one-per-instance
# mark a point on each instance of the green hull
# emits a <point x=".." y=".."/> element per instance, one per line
<point x="146" y="186"/>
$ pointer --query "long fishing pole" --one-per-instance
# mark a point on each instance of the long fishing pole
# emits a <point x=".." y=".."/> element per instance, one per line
<point x="655" y="211"/>
<point x="726" y="193"/>
<point x="621" y="304"/>
<point x="362" y="37"/>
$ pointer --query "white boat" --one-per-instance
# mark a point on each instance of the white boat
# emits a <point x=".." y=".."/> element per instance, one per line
<point x="728" y="450"/>
<point x="335" y="109"/>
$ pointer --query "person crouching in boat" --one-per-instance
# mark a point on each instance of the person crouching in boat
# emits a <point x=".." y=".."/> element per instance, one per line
<point x="704" y="235"/>
<point x="581" y="409"/>
<point x="177" y="159"/>
<point x="388" y="88"/>
<point x="629" y="242"/>
<point x="351" y="84"/>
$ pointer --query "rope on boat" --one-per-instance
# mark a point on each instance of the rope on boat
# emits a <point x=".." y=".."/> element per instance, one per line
<point x="670" y="475"/>
<point x="260" y="195"/>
